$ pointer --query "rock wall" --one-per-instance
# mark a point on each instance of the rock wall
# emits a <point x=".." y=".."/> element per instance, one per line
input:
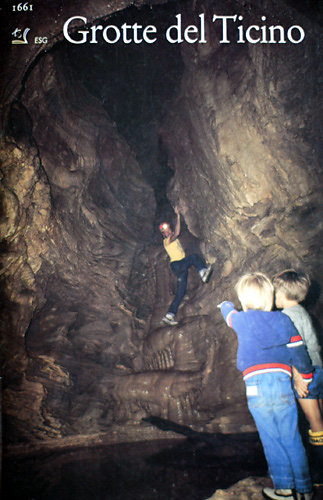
<point x="85" y="280"/>
<point x="247" y="139"/>
<point x="75" y="203"/>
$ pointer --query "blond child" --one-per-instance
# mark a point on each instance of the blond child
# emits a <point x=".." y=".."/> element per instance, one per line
<point x="268" y="347"/>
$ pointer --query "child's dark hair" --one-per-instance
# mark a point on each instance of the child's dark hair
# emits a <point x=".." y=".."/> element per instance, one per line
<point x="294" y="284"/>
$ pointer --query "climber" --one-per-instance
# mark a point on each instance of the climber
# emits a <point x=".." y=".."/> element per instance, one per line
<point x="180" y="263"/>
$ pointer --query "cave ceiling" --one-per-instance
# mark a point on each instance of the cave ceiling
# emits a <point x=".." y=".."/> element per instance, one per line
<point x="100" y="142"/>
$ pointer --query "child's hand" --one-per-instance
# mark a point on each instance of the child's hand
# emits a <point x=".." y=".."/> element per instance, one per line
<point x="301" y="386"/>
<point x="221" y="303"/>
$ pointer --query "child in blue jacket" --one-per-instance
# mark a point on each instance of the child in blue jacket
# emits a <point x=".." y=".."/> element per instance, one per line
<point x="268" y="346"/>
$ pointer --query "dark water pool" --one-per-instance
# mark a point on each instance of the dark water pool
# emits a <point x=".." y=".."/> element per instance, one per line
<point x="157" y="470"/>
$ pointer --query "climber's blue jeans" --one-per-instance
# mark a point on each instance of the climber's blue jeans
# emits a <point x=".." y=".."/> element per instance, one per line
<point x="180" y="269"/>
<point x="272" y="404"/>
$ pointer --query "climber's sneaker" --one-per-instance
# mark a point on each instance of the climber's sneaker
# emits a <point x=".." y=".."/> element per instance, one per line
<point x="169" y="318"/>
<point x="206" y="274"/>
<point x="278" y="494"/>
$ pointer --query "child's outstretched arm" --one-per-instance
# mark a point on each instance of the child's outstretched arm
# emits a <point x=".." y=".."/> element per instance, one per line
<point x="227" y="309"/>
<point x="237" y="320"/>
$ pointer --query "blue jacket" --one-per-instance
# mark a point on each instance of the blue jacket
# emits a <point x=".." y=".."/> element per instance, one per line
<point x="268" y="341"/>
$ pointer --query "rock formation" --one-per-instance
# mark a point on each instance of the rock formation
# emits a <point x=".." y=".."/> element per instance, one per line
<point x="229" y="132"/>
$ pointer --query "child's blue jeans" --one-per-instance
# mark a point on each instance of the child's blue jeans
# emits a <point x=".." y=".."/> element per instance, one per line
<point x="180" y="269"/>
<point x="272" y="404"/>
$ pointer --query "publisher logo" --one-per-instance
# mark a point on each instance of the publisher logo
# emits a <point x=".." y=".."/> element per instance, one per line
<point x="20" y="37"/>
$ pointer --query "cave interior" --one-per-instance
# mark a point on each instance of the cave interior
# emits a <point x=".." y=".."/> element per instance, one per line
<point x="101" y="142"/>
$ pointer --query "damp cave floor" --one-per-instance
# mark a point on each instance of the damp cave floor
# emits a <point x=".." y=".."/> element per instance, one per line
<point x="151" y="470"/>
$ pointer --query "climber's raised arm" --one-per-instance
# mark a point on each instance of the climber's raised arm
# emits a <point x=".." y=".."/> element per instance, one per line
<point x="177" y="230"/>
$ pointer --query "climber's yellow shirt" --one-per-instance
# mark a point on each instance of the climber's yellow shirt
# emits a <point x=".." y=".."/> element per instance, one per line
<point x="174" y="249"/>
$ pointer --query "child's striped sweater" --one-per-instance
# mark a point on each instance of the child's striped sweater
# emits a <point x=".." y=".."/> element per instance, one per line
<point x="268" y="342"/>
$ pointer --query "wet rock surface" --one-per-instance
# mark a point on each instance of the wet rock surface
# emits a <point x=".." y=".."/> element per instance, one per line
<point x="85" y="281"/>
